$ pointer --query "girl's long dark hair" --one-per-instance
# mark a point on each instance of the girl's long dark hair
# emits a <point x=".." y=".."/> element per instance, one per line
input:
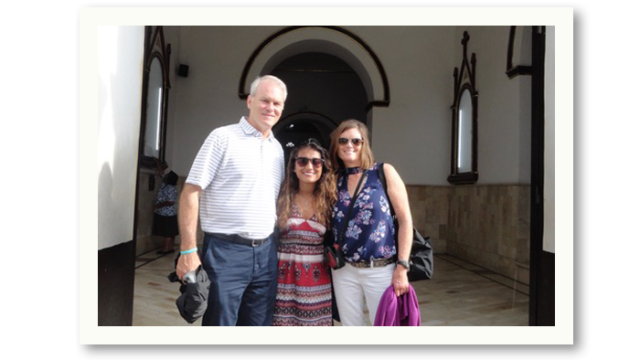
<point x="324" y="191"/>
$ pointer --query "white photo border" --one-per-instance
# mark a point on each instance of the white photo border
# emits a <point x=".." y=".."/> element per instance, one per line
<point x="561" y="18"/>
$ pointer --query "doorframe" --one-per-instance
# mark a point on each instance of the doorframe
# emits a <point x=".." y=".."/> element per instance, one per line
<point x="542" y="263"/>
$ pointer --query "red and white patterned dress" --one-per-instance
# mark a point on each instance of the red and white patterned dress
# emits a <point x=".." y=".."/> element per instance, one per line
<point x="304" y="285"/>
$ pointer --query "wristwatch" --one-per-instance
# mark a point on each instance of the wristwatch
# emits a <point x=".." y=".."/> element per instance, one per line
<point x="404" y="263"/>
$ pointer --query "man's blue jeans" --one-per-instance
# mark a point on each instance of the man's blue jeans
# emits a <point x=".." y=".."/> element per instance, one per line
<point x="243" y="282"/>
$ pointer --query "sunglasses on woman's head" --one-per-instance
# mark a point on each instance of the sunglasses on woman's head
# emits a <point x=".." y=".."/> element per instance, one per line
<point x="303" y="161"/>
<point x="354" y="141"/>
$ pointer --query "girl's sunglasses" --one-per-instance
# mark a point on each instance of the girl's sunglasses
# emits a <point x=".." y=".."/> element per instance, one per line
<point x="354" y="141"/>
<point x="303" y="161"/>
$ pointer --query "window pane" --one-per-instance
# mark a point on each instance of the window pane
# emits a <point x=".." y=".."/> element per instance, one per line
<point x="465" y="132"/>
<point x="154" y="111"/>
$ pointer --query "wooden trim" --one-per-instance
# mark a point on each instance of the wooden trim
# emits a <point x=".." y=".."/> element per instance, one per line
<point x="513" y="71"/>
<point x="538" y="272"/>
<point x="163" y="54"/>
<point x="145" y="92"/>
<point x="512" y="40"/>
<point x="463" y="178"/>
<point x="371" y="104"/>
<point x="385" y="83"/>
<point x="464" y="80"/>
<point x="545" y="297"/>
<point x="519" y="70"/>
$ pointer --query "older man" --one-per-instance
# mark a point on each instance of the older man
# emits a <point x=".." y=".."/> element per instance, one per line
<point x="234" y="184"/>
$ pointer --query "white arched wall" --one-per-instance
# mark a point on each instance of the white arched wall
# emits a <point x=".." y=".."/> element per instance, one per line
<point x="320" y="39"/>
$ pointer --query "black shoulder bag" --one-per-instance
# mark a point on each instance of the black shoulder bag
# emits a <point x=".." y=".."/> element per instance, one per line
<point x="421" y="258"/>
<point x="333" y="252"/>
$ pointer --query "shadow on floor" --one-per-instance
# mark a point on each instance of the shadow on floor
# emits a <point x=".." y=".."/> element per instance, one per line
<point x="459" y="294"/>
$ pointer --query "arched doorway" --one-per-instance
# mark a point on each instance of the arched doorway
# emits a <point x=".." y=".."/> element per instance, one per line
<point x="284" y="45"/>
<point x="323" y="91"/>
<point x="296" y="128"/>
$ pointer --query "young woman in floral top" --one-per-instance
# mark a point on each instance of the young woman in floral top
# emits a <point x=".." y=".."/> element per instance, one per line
<point x="368" y="242"/>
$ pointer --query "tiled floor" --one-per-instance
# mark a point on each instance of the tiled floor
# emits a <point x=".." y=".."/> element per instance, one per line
<point x="460" y="294"/>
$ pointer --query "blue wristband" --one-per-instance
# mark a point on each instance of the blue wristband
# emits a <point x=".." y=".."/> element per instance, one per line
<point x="188" y="251"/>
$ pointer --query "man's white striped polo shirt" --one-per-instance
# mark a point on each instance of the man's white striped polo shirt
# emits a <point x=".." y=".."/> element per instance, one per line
<point x="240" y="174"/>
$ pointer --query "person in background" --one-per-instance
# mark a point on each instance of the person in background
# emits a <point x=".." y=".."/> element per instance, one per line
<point x="165" y="211"/>
<point x="368" y="243"/>
<point x="304" y="212"/>
<point x="233" y="186"/>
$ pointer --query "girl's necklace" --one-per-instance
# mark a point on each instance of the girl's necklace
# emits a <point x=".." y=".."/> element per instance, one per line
<point x="303" y="205"/>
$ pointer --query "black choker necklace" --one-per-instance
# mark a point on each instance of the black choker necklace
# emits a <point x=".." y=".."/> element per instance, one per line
<point x="352" y="170"/>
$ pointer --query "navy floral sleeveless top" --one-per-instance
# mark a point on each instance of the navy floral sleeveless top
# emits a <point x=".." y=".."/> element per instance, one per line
<point x="370" y="232"/>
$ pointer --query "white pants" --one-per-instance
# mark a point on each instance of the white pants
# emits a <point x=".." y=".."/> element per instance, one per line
<point x="354" y="285"/>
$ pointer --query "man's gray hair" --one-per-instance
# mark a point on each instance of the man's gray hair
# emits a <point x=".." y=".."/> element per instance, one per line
<point x="259" y="79"/>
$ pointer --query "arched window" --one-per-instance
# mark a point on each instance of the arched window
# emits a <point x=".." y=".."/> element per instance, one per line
<point x="155" y="97"/>
<point x="464" y="122"/>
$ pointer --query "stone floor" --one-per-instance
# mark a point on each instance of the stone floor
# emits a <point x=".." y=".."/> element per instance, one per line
<point x="459" y="294"/>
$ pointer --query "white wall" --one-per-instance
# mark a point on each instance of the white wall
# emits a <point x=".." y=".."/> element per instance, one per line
<point x="504" y="110"/>
<point x="208" y="97"/>
<point x="120" y="62"/>
<point x="413" y="133"/>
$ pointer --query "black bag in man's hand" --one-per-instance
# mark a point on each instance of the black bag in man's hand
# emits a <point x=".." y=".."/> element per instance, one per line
<point x="194" y="293"/>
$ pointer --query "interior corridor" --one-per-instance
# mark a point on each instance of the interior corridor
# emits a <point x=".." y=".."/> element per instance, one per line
<point x="459" y="294"/>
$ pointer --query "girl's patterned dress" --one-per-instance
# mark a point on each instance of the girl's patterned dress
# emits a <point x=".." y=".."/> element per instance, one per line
<point x="304" y="286"/>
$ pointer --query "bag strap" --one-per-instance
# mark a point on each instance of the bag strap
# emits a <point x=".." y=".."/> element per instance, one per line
<point x="383" y="180"/>
<point x="353" y="201"/>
